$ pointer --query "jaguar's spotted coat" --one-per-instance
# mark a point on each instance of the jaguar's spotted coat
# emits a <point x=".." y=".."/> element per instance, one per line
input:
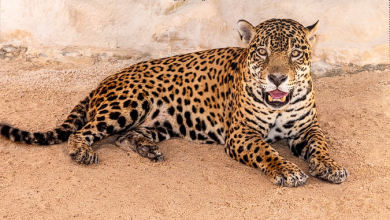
<point x="244" y="98"/>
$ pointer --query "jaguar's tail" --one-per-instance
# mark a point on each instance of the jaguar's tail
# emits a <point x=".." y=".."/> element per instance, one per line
<point x="75" y="121"/>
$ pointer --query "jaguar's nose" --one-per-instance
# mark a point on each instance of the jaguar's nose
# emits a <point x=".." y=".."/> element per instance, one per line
<point x="277" y="79"/>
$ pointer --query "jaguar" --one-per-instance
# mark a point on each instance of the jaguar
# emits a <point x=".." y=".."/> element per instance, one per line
<point x="242" y="98"/>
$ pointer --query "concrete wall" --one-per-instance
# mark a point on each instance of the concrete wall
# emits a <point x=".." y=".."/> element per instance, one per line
<point x="351" y="31"/>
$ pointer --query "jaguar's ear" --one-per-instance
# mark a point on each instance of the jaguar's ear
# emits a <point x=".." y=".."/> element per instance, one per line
<point x="246" y="31"/>
<point x="311" y="33"/>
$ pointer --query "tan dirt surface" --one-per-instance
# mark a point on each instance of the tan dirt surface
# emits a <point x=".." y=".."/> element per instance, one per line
<point x="196" y="181"/>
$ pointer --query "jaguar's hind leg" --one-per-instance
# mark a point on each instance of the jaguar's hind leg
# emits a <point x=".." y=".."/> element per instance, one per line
<point x="80" y="143"/>
<point x="140" y="142"/>
<point x="80" y="150"/>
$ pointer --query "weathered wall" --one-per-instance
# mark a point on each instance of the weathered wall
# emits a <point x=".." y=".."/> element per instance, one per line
<point x="351" y="31"/>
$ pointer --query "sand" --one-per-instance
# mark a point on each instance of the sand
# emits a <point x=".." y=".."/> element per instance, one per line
<point x="196" y="181"/>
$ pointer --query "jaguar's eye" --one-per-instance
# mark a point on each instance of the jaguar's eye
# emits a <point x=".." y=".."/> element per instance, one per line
<point x="295" y="53"/>
<point x="262" y="52"/>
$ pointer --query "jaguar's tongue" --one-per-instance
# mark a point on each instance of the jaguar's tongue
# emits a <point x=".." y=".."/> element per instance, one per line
<point x="277" y="95"/>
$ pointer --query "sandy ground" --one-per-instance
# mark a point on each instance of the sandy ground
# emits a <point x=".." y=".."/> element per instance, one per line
<point x="195" y="181"/>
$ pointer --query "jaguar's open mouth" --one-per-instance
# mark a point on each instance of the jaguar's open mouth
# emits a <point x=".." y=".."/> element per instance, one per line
<point x="277" y="98"/>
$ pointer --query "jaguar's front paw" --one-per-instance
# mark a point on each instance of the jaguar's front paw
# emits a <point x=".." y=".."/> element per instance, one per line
<point x="286" y="173"/>
<point x="328" y="169"/>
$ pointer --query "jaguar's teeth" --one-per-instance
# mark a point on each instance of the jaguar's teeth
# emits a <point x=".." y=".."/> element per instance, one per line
<point x="270" y="98"/>
<point x="283" y="99"/>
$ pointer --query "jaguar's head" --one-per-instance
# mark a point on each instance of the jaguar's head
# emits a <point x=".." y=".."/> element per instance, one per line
<point x="279" y="58"/>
